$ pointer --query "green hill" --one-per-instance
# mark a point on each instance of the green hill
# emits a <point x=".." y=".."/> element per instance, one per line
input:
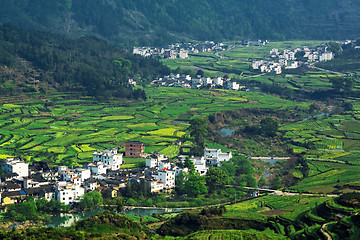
<point x="34" y="61"/>
<point x="159" y="21"/>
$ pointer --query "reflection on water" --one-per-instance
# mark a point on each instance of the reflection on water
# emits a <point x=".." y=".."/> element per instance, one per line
<point x="66" y="219"/>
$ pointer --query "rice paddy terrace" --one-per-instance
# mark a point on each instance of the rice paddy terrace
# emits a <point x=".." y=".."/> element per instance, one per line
<point x="65" y="130"/>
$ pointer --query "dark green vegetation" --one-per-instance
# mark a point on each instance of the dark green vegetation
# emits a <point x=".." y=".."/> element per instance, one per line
<point x="103" y="226"/>
<point x="34" y="210"/>
<point x="36" y="61"/>
<point x="158" y="22"/>
<point x="91" y="200"/>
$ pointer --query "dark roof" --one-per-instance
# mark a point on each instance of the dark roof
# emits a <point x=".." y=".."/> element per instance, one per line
<point x="12" y="186"/>
<point x="91" y="180"/>
<point x="11" y="194"/>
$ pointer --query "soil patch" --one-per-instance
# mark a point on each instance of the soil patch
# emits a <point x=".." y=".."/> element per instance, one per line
<point x="274" y="212"/>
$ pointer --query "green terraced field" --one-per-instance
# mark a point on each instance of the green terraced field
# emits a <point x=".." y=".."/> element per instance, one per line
<point x="66" y="132"/>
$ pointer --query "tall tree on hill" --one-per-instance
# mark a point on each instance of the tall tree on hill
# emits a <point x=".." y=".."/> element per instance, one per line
<point x="198" y="130"/>
<point x="269" y="126"/>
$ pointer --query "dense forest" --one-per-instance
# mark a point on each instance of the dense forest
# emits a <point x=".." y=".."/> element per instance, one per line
<point x="86" y="64"/>
<point x="143" y="22"/>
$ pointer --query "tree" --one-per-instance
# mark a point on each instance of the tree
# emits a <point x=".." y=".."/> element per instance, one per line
<point x="342" y="84"/>
<point x="198" y="130"/>
<point x="195" y="185"/>
<point x="335" y="48"/>
<point x="200" y="73"/>
<point x="269" y="126"/>
<point x="90" y="200"/>
<point x="180" y="181"/>
<point x="189" y="164"/>
<point x="215" y="178"/>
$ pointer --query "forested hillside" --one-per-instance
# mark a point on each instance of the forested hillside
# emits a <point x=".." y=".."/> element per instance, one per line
<point x="36" y="61"/>
<point x="158" y="21"/>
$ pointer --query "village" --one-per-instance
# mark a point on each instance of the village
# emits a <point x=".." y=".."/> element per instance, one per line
<point x="186" y="81"/>
<point x="104" y="173"/>
<point x="182" y="50"/>
<point x="292" y="59"/>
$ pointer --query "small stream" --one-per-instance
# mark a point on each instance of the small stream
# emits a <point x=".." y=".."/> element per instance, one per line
<point x="273" y="161"/>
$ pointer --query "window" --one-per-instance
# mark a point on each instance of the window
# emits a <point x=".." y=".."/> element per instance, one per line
<point x="64" y="199"/>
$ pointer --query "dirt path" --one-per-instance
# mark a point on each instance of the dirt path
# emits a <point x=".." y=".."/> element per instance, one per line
<point x="323" y="230"/>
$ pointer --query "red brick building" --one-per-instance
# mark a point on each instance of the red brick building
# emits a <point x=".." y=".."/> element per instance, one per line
<point x="134" y="149"/>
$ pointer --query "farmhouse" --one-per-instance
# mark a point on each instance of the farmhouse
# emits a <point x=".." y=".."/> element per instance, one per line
<point x="109" y="157"/>
<point x="16" y="165"/>
<point x="134" y="149"/>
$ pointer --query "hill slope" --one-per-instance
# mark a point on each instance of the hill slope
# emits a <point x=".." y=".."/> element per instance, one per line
<point x="160" y="21"/>
<point x="31" y="61"/>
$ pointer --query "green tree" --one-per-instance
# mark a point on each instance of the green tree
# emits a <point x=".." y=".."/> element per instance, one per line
<point x="342" y="84"/>
<point x="189" y="164"/>
<point x="335" y="48"/>
<point x="215" y="178"/>
<point x="269" y="126"/>
<point x="180" y="181"/>
<point x="198" y="130"/>
<point x="195" y="185"/>
<point x="90" y="200"/>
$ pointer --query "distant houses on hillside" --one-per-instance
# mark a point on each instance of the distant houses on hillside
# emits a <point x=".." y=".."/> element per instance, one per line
<point x="180" y="50"/>
<point x="186" y="81"/>
<point x="292" y="59"/>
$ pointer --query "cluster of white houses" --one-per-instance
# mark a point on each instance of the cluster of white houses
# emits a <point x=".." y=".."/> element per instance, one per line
<point x="287" y="59"/>
<point x="103" y="174"/>
<point x="186" y="81"/>
<point x="179" y="50"/>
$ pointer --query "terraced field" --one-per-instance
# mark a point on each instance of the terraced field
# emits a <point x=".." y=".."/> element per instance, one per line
<point x="331" y="144"/>
<point x="66" y="132"/>
<point x="298" y="217"/>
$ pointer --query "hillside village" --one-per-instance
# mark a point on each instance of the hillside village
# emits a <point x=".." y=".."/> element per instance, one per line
<point x="182" y="50"/>
<point x="67" y="185"/>
<point x="186" y="81"/>
<point x="292" y="59"/>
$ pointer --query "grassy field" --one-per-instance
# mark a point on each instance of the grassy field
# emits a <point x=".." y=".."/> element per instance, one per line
<point x="65" y="130"/>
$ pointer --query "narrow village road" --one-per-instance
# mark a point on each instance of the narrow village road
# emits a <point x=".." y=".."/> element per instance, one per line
<point x="326" y="70"/>
<point x="323" y="230"/>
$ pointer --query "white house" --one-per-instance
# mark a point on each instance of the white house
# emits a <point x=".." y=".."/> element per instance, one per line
<point x="109" y="157"/>
<point x="167" y="177"/>
<point x="156" y="186"/>
<point x="218" y="81"/>
<point x="200" y="165"/>
<point x="326" y="56"/>
<point x="16" y="165"/>
<point x="68" y="193"/>
<point x="211" y="153"/>
<point x="215" y="156"/>
<point x="153" y="160"/>
<point x="97" y="168"/>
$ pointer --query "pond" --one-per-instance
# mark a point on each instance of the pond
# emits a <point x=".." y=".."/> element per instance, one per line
<point x="66" y="219"/>
<point x="224" y="132"/>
